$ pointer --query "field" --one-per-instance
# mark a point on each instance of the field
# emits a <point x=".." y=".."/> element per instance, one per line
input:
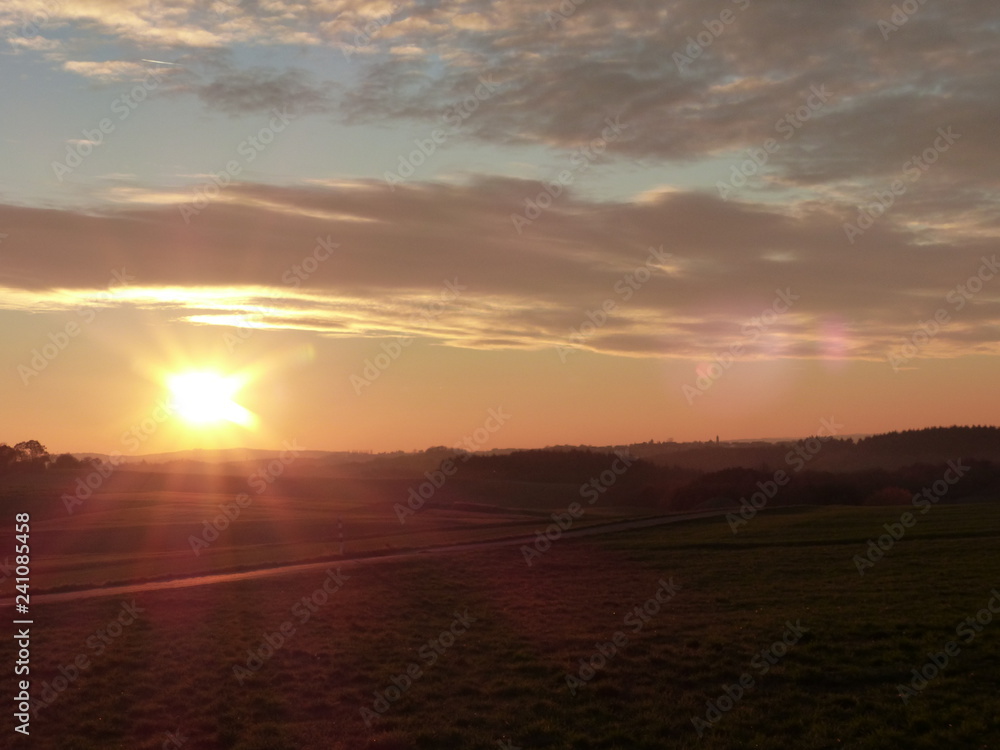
<point x="767" y="638"/>
<point x="139" y="525"/>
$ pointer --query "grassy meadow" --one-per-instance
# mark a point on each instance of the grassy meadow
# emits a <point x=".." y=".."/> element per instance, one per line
<point x="471" y="650"/>
<point x="139" y="525"/>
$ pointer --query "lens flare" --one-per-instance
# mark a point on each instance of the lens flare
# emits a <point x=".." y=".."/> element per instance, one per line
<point x="205" y="398"/>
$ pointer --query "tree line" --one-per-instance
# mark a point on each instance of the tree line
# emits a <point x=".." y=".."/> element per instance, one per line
<point x="30" y="456"/>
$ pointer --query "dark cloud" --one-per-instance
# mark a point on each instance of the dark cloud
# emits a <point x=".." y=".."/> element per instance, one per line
<point x="848" y="94"/>
<point x="214" y="77"/>
<point x="691" y="80"/>
<point x="446" y="262"/>
<point x="260" y="90"/>
<point x="683" y="101"/>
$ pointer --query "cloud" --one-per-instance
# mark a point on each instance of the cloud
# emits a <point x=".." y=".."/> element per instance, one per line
<point x="676" y="274"/>
<point x="692" y="87"/>
<point x="692" y="81"/>
<point x="850" y="106"/>
<point x="109" y="71"/>
<point x="213" y="78"/>
<point x="33" y="43"/>
<point x="254" y="90"/>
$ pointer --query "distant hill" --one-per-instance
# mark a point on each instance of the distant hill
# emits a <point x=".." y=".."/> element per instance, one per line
<point x="893" y="450"/>
<point x="231" y="456"/>
<point x="930" y="445"/>
<point x="874" y="470"/>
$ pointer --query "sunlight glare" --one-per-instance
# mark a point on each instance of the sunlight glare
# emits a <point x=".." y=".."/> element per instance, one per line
<point x="207" y="397"/>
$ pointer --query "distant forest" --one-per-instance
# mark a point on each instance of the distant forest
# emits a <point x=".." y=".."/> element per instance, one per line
<point x="883" y="469"/>
<point x="32" y="456"/>
<point x="887" y="451"/>
<point x="886" y="469"/>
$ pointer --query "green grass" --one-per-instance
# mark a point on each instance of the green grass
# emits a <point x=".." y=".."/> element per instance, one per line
<point x="505" y="677"/>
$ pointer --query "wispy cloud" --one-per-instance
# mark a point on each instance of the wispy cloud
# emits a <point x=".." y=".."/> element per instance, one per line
<point x="563" y="72"/>
<point x="397" y="248"/>
<point x="109" y="71"/>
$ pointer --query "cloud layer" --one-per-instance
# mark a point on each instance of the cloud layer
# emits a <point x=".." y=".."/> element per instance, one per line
<point x="677" y="274"/>
<point x="867" y="134"/>
<point x="691" y="79"/>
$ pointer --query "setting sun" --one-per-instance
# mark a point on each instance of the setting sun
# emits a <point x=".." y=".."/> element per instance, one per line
<point x="446" y="374"/>
<point x="205" y="398"/>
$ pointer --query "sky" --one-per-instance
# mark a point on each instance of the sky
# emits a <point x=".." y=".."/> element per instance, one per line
<point x="393" y="225"/>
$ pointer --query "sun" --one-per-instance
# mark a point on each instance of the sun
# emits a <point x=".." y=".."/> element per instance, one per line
<point x="205" y="398"/>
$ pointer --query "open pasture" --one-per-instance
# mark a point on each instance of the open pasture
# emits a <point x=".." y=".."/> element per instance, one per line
<point x="472" y="649"/>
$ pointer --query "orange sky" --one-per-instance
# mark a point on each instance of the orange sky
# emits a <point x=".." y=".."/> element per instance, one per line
<point x="101" y="394"/>
<point x="388" y="235"/>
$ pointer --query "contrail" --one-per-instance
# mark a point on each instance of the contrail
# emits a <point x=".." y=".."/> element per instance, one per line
<point x="158" y="62"/>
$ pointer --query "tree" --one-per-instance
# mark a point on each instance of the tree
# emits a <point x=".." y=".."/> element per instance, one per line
<point x="66" y="461"/>
<point x="30" y="450"/>
<point x="28" y="455"/>
<point x="7" y="457"/>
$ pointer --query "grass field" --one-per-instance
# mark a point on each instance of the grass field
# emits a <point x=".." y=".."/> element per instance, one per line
<point x="498" y="677"/>
<point x="140" y="525"/>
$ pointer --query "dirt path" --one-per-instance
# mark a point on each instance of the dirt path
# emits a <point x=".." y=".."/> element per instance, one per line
<point x="207" y="580"/>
